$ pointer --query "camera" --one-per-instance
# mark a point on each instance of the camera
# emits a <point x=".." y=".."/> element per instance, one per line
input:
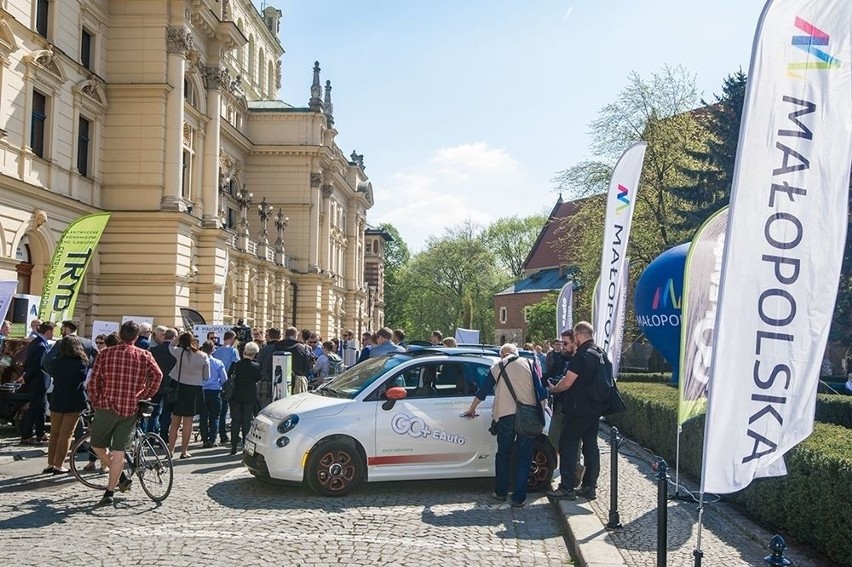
<point x="492" y="429"/>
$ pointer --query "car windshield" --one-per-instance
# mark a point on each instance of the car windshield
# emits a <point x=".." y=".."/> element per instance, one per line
<point x="352" y="382"/>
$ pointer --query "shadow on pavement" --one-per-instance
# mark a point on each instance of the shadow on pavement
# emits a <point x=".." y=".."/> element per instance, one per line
<point x="41" y="512"/>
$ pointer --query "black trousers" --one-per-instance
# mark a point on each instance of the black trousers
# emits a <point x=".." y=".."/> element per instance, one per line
<point x="33" y="418"/>
<point x="241" y="418"/>
<point x="576" y="429"/>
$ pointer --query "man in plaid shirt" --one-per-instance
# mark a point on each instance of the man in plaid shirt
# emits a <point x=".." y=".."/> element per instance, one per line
<point x="122" y="375"/>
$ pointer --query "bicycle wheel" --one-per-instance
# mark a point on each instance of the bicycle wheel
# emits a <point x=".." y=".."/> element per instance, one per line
<point x="86" y="467"/>
<point x="154" y="467"/>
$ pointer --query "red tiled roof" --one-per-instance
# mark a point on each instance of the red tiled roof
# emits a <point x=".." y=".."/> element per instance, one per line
<point x="546" y="252"/>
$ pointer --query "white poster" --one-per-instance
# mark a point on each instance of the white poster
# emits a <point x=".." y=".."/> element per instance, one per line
<point x="7" y="290"/>
<point x="785" y="239"/>
<point x="621" y="200"/>
<point x="104" y="328"/>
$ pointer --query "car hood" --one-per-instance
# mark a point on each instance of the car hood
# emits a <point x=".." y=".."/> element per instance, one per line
<point x="301" y="404"/>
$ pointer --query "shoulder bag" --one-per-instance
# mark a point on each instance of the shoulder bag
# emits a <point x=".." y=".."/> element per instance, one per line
<point x="230" y="383"/>
<point x="528" y="419"/>
<point x="171" y="393"/>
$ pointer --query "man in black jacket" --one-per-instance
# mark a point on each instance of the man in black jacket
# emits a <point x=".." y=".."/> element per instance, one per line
<point x="161" y="418"/>
<point x="580" y="416"/>
<point x="37" y="381"/>
<point x="301" y="360"/>
<point x="69" y="328"/>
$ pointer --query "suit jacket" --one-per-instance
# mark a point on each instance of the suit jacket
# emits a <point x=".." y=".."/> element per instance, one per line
<point x="53" y="354"/>
<point x="36" y="379"/>
<point x="164" y="359"/>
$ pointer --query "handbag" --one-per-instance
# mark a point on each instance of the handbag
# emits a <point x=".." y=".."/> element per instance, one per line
<point x="529" y="421"/>
<point x="171" y="393"/>
<point x="230" y="383"/>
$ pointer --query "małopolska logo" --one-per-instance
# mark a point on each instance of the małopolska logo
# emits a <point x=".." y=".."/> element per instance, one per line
<point x="623" y="201"/>
<point x="808" y="43"/>
<point x="664" y="295"/>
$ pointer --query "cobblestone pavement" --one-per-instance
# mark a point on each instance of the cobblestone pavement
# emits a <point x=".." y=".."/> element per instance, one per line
<point x="218" y="514"/>
<point x="727" y="538"/>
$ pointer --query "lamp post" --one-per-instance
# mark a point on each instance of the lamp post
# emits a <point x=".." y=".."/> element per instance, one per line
<point x="244" y="198"/>
<point x="280" y="224"/>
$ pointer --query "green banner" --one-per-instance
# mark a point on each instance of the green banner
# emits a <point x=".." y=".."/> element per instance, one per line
<point x="69" y="265"/>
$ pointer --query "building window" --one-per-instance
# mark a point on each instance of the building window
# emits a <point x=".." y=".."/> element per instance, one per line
<point x="86" y="49"/>
<point x="369" y="247"/>
<point x="39" y="120"/>
<point x="83" y="146"/>
<point x="42" y="12"/>
<point x="527" y="314"/>
<point x="186" y="178"/>
<point x="232" y="219"/>
<point x="504" y="315"/>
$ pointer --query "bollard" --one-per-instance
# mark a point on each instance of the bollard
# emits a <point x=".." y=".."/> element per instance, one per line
<point x="614" y="517"/>
<point x="778" y="546"/>
<point x="662" y="512"/>
<point x="697" y="554"/>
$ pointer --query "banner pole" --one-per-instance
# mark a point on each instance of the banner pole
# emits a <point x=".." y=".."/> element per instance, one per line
<point x="697" y="554"/>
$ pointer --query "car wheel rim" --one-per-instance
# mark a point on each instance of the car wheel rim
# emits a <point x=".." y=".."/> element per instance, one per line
<point x="539" y="468"/>
<point x="336" y="471"/>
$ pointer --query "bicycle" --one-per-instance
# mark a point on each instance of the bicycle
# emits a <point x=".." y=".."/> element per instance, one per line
<point x="148" y="458"/>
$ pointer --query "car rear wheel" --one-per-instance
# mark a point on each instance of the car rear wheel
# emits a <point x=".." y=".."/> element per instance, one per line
<point x="542" y="466"/>
<point x="335" y="468"/>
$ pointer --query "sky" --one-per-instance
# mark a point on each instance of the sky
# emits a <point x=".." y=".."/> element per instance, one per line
<point x="466" y="109"/>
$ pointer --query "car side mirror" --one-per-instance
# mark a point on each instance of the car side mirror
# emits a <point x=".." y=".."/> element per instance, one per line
<point x="393" y="395"/>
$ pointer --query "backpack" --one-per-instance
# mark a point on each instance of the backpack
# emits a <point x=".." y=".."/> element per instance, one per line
<point x="603" y="390"/>
<point x="335" y="364"/>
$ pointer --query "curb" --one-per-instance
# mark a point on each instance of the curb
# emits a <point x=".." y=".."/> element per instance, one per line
<point x="588" y="536"/>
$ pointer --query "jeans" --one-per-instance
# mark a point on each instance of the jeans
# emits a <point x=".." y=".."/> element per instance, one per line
<point x="575" y="429"/>
<point x="223" y="423"/>
<point x="210" y="415"/>
<point x="507" y="439"/>
<point x="33" y="418"/>
<point x="152" y="424"/>
<point x="165" y="418"/>
<point x="241" y="418"/>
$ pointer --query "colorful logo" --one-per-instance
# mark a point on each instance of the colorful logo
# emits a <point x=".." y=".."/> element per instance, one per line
<point x="808" y="43"/>
<point x="623" y="201"/>
<point x="664" y="295"/>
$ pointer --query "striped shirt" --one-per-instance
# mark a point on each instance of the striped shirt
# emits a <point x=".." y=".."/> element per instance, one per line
<point x="123" y="375"/>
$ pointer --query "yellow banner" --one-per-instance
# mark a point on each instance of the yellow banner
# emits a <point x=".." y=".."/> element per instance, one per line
<point x="69" y="265"/>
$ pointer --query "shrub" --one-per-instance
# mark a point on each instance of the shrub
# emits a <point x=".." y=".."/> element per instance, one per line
<point x="810" y="503"/>
<point x="833" y="408"/>
<point x="644" y="376"/>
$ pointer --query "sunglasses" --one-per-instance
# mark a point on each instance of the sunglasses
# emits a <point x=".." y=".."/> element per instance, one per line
<point x="567" y="342"/>
<point x="99" y="342"/>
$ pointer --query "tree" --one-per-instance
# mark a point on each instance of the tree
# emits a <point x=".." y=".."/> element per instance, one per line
<point x="511" y="239"/>
<point x="397" y="257"/>
<point x="708" y="186"/>
<point x="451" y="283"/>
<point x="541" y="319"/>
<point x="659" y="111"/>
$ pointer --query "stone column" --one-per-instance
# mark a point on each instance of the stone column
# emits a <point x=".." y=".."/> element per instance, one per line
<point x="178" y="45"/>
<point x="313" y="224"/>
<point x="215" y="77"/>
<point x="325" y="256"/>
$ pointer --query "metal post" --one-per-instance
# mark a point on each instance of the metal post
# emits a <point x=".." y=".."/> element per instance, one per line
<point x="778" y="546"/>
<point x="614" y="517"/>
<point x="662" y="512"/>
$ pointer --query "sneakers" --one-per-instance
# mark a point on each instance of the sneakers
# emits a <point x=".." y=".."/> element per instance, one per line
<point x="124" y="483"/>
<point x="497" y="498"/>
<point x="562" y="494"/>
<point x="518" y="504"/>
<point x="106" y="500"/>
<point x="588" y="492"/>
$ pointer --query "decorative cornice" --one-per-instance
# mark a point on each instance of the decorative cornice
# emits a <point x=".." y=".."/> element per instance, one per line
<point x="179" y="41"/>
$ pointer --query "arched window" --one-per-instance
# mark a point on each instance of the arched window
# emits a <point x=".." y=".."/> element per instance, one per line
<point x="251" y="56"/>
<point x="261" y="71"/>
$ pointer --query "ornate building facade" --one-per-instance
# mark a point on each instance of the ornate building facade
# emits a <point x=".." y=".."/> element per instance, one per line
<point x="165" y="114"/>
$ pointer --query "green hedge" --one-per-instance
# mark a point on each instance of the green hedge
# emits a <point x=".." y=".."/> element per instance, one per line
<point x="836" y="409"/>
<point x="644" y="376"/>
<point x="811" y="503"/>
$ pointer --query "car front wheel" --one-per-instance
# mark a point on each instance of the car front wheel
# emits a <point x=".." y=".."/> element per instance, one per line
<point x="335" y="468"/>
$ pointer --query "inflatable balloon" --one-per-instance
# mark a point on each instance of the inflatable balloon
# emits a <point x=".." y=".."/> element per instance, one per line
<point x="657" y="303"/>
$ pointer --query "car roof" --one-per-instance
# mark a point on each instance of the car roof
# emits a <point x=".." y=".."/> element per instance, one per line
<point x="418" y="351"/>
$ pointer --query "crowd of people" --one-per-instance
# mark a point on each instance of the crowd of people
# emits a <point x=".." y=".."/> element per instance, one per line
<point x="184" y="381"/>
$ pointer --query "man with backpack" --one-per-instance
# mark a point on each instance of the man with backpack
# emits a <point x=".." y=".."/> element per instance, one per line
<point x="580" y="414"/>
<point x="327" y="364"/>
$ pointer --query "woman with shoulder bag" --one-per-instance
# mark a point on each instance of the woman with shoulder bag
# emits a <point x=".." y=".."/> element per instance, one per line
<point x="246" y="373"/>
<point x="190" y="372"/>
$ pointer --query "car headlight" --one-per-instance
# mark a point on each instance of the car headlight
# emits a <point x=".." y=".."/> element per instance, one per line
<point x="288" y="424"/>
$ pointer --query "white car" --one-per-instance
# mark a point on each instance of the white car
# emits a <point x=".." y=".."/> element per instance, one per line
<point x="395" y="417"/>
